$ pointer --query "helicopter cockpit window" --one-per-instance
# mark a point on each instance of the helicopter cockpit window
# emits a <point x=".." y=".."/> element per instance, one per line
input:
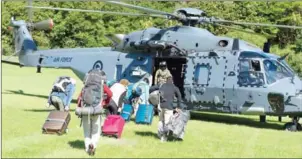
<point x="244" y="66"/>
<point x="256" y="65"/>
<point x="250" y="73"/>
<point x="288" y="67"/>
<point x="275" y="71"/>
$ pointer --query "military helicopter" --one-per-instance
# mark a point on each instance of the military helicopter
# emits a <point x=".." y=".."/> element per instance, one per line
<point x="214" y="73"/>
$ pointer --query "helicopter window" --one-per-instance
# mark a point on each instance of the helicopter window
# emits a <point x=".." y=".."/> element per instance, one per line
<point x="288" y="67"/>
<point x="202" y="74"/>
<point x="249" y="73"/>
<point x="275" y="71"/>
<point x="256" y="65"/>
<point x="244" y="66"/>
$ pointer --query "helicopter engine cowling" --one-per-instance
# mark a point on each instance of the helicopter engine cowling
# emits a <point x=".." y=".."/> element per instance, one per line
<point x="152" y="44"/>
<point x="158" y="45"/>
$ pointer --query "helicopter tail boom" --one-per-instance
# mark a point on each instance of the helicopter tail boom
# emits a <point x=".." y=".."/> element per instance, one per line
<point x="24" y="43"/>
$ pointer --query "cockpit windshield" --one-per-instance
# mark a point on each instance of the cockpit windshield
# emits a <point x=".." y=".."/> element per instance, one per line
<point x="288" y="67"/>
<point x="275" y="70"/>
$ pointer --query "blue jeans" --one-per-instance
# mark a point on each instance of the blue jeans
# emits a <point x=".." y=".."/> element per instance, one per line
<point x="69" y="95"/>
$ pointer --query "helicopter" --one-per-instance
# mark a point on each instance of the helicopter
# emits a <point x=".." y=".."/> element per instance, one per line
<point x="213" y="73"/>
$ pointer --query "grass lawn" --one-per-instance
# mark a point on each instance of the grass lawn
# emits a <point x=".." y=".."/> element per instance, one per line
<point x="24" y="97"/>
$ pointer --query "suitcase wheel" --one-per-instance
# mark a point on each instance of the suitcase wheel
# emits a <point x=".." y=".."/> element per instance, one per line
<point x="66" y="131"/>
<point x="116" y="135"/>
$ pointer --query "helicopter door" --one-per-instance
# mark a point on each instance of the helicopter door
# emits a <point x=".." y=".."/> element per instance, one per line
<point x="176" y="67"/>
<point x="249" y="95"/>
<point x="204" y="80"/>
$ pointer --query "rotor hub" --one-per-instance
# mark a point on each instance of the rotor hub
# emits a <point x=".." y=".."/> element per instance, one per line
<point x="189" y="16"/>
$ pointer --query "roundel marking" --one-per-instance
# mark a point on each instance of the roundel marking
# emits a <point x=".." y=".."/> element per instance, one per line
<point x="98" y="65"/>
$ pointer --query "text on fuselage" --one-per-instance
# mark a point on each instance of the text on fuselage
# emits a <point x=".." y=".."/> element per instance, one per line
<point x="62" y="59"/>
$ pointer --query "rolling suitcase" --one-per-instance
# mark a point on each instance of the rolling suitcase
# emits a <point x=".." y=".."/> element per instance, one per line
<point x="127" y="112"/>
<point x="56" y="123"/>
<point x="144" y="114"/>
<point x="113" y="126"/>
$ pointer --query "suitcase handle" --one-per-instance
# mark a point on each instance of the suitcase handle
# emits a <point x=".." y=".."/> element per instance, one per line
<point x="114" y="116"/>
<point x="126" y="113"/>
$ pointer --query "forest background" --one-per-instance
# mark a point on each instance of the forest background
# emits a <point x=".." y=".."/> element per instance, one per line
<point x="78" y="29"/>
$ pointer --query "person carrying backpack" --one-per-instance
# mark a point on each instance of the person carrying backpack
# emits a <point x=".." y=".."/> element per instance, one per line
<point x="94" y="95"/>
<point x="61" y="94"/>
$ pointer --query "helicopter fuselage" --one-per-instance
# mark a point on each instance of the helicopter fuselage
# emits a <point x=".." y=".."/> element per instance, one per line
<point x="226" y="81"/>
<point x="215" y="73"/>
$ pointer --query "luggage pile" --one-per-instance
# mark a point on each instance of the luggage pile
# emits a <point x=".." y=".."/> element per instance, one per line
<point x="144" y="113"/>
<point x="113" y="125"/>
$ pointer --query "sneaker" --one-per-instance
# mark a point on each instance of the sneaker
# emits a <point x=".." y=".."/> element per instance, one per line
<point x="91" y="150"/>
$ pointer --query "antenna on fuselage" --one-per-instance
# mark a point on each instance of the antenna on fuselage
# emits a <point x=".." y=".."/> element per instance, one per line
<point x="235" y="44"/>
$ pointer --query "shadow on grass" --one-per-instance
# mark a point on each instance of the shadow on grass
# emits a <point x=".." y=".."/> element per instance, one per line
<point x="146" y="133"/>
<point x="21" y="92"/>
<point x="39" y="110"/>
<point x="79" y="144"/>
<point x="44" y="110"/>
<point x="132" y="119"/>
<point x="233" y="120"/>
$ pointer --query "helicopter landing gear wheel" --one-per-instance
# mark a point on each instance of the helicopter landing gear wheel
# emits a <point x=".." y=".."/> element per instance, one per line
<point x="262" y="118"/>
<point x="294" y="125"/>
<point x="280" y="118"/>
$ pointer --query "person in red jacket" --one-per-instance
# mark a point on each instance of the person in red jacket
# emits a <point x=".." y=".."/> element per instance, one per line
<point x="92" y="129"/>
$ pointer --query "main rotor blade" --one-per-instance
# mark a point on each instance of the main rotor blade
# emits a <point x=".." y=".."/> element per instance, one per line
<point x="242" y="30"/>
<point x="99" y="11"/>
<point x="258" y="24"/>
<point x="146" y="10"/>
<point x="30" y="11"/>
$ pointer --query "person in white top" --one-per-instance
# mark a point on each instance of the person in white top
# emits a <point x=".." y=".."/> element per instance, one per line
<point x="118" y="94"/>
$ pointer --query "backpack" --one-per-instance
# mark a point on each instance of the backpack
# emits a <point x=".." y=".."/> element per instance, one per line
<point x="61" y="84"/>
<point x="178" y="122"/>
<point x="93" y="88"/>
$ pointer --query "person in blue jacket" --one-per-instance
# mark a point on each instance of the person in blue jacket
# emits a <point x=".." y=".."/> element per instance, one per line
<point x="61" y="93"/>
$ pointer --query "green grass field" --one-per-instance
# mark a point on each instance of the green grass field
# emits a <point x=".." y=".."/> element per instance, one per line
<point x="24" y="99"/>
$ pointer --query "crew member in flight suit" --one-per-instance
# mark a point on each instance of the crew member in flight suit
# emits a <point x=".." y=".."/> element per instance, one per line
<point x="162" y="73"/>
